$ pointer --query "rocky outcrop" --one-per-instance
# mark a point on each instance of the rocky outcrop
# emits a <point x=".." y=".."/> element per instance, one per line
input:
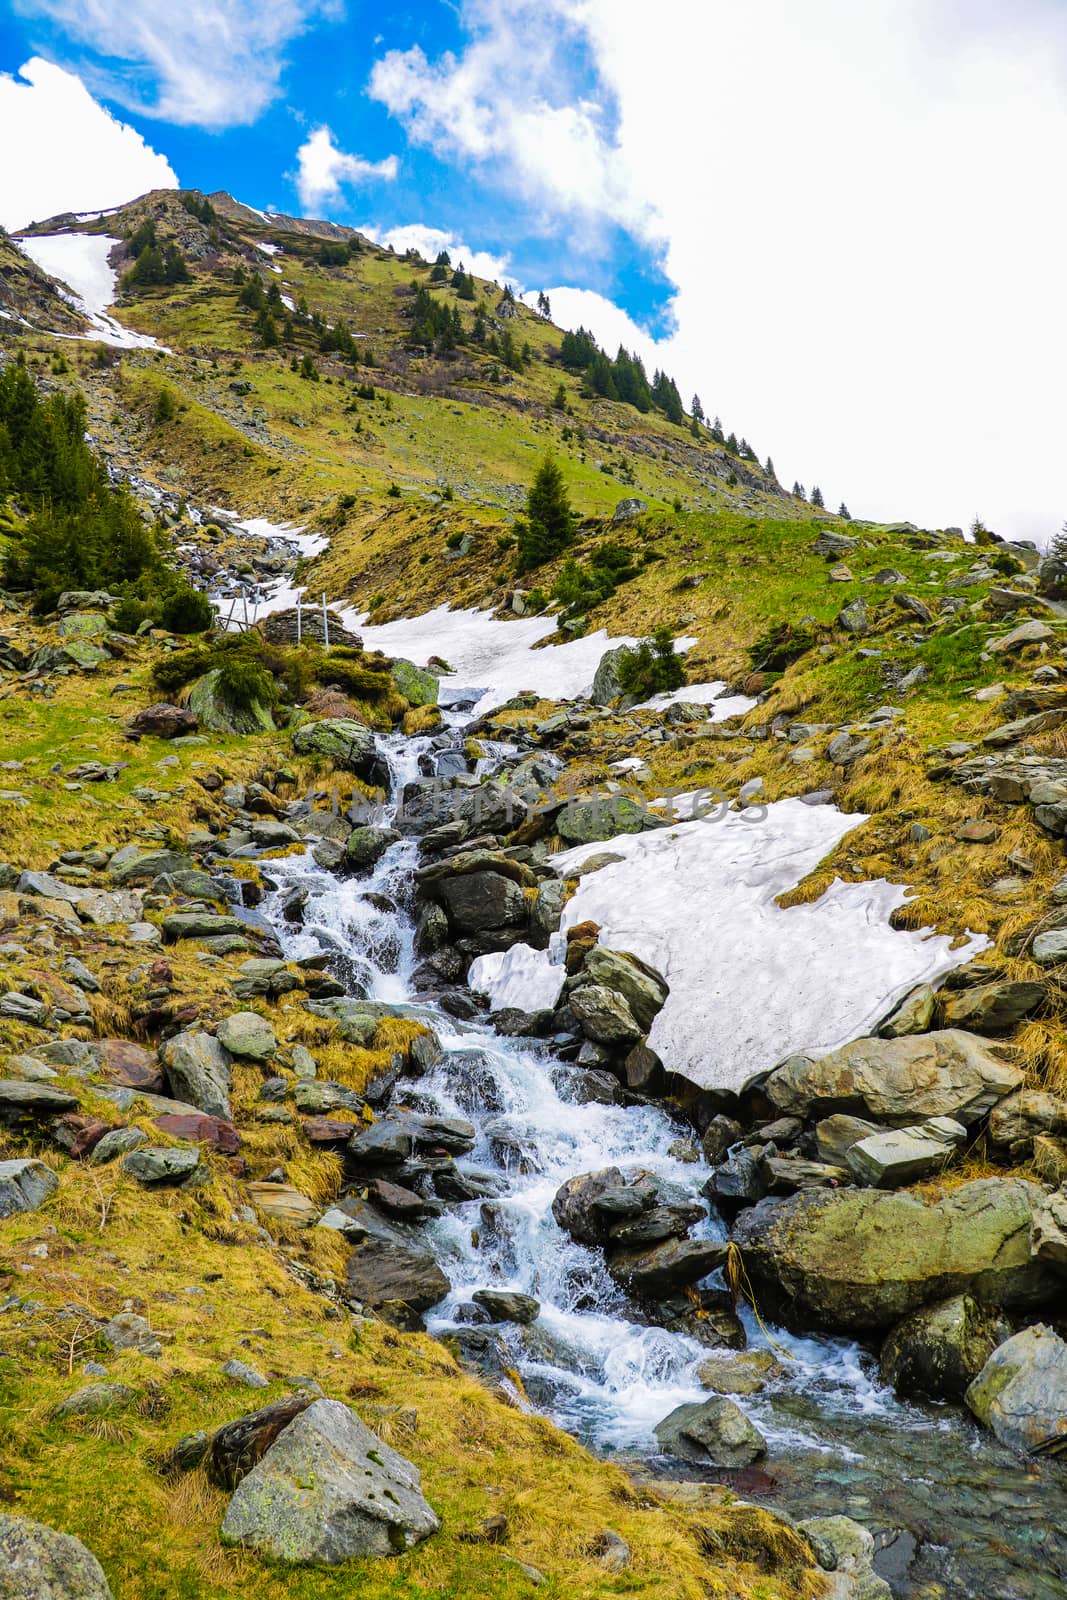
<point x="218" y="712"/>
<point x="350" y="745"/>
<point x="329" y="1490"/>
<point x="1021" y="1392"/>
<point x="37" y="1563"/>
<point x="946" y="1074"/>
<point x="863" y="1258"/>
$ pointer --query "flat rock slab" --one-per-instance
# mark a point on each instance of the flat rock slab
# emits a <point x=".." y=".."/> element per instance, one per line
<point x="328" y="1490"/>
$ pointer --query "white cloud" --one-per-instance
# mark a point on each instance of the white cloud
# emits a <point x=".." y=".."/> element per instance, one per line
<point x="209" y="63"/>
<point x="855" y="206"/>
<point x="72" y="155"/>
<point x="323" y="170"/>
<point x="429" y="242"/>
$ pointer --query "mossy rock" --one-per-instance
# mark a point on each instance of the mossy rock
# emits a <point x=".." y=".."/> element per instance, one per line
<point x="417" y="684"/>
<point x="214" y="711"/>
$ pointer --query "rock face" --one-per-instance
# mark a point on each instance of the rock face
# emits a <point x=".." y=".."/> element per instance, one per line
<point x="715" y="1433"/>
<point x="940" y="1349"/>
<point x="348" y="744"/>
<point x="37" y="1563"/>
<point x="606" y="686"/>
<point x="946" y="1074"/>
<point x="328" y="1490"/>
<point x="864" y="1258"/>
<point x="1021" y="1392"/>
<point x="25" y="1186"/>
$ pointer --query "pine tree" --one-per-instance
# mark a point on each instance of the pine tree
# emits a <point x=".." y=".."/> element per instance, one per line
<point x="544" y="305"/>
<point x="769" y="469"/>
<point x="817" y="499"/>
<point x="732" y="444"/>
<point x="560" y="399"/>
<point x="844" y="512"/>
<point x="798" y="490"/>
<point x="696" y="409"/>
<point x="549" y="524"/>
<point x="443" y="259"/>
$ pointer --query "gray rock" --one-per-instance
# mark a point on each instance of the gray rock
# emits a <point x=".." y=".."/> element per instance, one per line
<point x="846" y="1549"/>
<point x="1021" y="1392"/>
<point x="1050" y="949"/>
<point x="327" y="1491"/>
<point x="128" y="1331"/>
<point x="248" y="1036"/>
<point x="96" y="1400"/>
<point x="198" y="1071"/>
<point x="835" y="1136"/>
<point x="714" y="1433"/>
<point x="37" y="1563"/>
<point x="25" y="1185"/>
<point x="608" y="816"/>
<point x="604" y="1016"/>
<point x="914" y="1014"/>
<point x="380" y="1272"/>
<point x="159" y="1164"/>
<point x="199" y="925"/>
<point x="866" y="1258"/>
<point x="479" y="900"/>
<point x="993" y="1008"/>
<point x="641" y="986"/>
<point x="24" y="1008"/>
<point x="119" y="1142"/>
<point x="853" y="617"/>
<point x="606" y="686"/>
<point x="131" y="864"/>
<point x="348" y="744"/>
<point x="241" y="1373"/>
<point x="1033" y="632"/>
<point x="504" y="1305"/>
<point x="843" y="749"/>
<point x="940" y="1349"/>
<point x="949" y="1073"/>
<point x="1048" y="1231"/>
<point x="367" y="845"/>
<point x="32" y="1101"/>
<point x="1023" y="1116"/>
<point x="218" y="713"/>
<point x="905" y="1155"/>
<point x="675" y="1264"/>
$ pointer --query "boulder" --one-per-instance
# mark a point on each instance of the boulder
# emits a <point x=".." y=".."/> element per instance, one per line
<point x="380" y="1272"/>
<point x="25" y="1185"/>
<point x="1021" y="1392"/>
<point x="350" y="745"/>
<point x="606" y="817"/>
<point x="96" y="1400"/>
<point x="418" y="685"/>
<point x="914" y="1014"/>
<point x="641" y="986"/>
<point x="606" y="685"/>
<point x="846" y="1549"/>
<point x="37" y="1563"/>
<point x="853" y="617"/>
<point x="1048" y="1231"/>
<point x="131" y="864"/>
<point x="248" y="1036"/>
<point x="604" y="1016"/>
<point x="1033" y="632"/>
<point x="652" y="1274"/>
<point x="713" y="1433"/>
<point x="853" y="1259"/>
<point x="944" y="1074"/>
<point x="589" y="1205"/>
<point x="199" y="1128"/>
<point x="236" y="1447"/>
<point x="367" y="845"/>
<point x="198" y="1071"/>
<point x="504" y="1305"/>
<point x="219" y="713"/>
<point x="476" y="901"/>
<point x="1022" y="1116"/>
<point x="122" y="1061"/>
<point x="993" y="1008"/>
<point x="939" y="1349"/>
<point x="164" y="721"/>
<point x="282" y="1203"/>
<point x="328" y="1491"/>
<point x="161" y="1165"/>
<point x="20" y="1101"/>
<point x="835" y="1136"/>
<point x="891" y="1159"/>
<point x="199" y="925"/>
<point x="740" y="1372"/>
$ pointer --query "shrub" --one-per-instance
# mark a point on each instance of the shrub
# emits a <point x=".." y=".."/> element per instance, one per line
<point x="187" y="610"/>
<point x="130" y="613"/>
<point x="243" y="682"/>
<point x="549" y="524"/>
<point x="653" y="668"/>
<point x="779" y="646"/>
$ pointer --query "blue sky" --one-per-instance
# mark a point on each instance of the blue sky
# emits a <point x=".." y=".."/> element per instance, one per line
<point x="836" y="222"/>
<point x="324" y="73"/>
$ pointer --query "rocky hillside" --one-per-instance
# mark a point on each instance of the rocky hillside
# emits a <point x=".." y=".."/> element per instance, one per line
<point x="594" y="1072"/>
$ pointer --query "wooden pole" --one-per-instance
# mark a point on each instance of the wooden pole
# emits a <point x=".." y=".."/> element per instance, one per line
<point x="325" y="625"/>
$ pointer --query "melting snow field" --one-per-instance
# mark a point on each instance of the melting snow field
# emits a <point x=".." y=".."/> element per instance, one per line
<point x="750" y="983"/>
<point x="492" y="654"/>
<point x="80" y="261"/>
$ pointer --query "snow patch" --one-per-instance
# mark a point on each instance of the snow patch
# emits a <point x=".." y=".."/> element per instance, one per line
<point x="267" y="249"/>
<point x="529" y="980"/>
<point x="702" y="694"/>
<point x="79" y="260"/>
<point x="750" y="983"/>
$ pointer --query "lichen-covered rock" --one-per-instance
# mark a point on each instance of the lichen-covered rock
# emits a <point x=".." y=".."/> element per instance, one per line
<point x="37" y="1563"/>
<point x="347" y="743"/>
<point x="944" y="1074"/>
<point x="417" y="684"/>
<point x="217" y="712"/>
<point x="329" y="1490"/>
<point x="865" y="1258"/>
<point x="248" y="1036"/>
<point x="1021" y="1392"/>
<point x="715" y="1433"/>
<point x="583" y="821"/>
<point x="198" y="1071"/>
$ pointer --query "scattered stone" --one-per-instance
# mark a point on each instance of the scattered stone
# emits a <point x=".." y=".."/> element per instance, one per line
<point x="164" y="721"/>
<point x="198" y="1071"/>
<point x="905" y="1155"/>
<point x="282" y="1203"/>
<point x="1048" y="1231"/>
<point x="162" y="1165"/>
<point x="95" y="1400"/>
<point x="240" y="1373"/>
<point x="502" y="1305"/>
<point x="248" y="1036"/>
<point x="846" y="1549"/>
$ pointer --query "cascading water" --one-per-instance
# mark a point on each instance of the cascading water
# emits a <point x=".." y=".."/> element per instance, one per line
<point x="958" y="1515"/>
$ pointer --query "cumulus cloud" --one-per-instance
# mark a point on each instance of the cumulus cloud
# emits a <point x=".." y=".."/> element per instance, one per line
<point x="429" y="242"/>
<point x="72" y="154"/>
<point x="323" y="171"/>
<point x="854" y="205"/>
<point x="209" y="63"/>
